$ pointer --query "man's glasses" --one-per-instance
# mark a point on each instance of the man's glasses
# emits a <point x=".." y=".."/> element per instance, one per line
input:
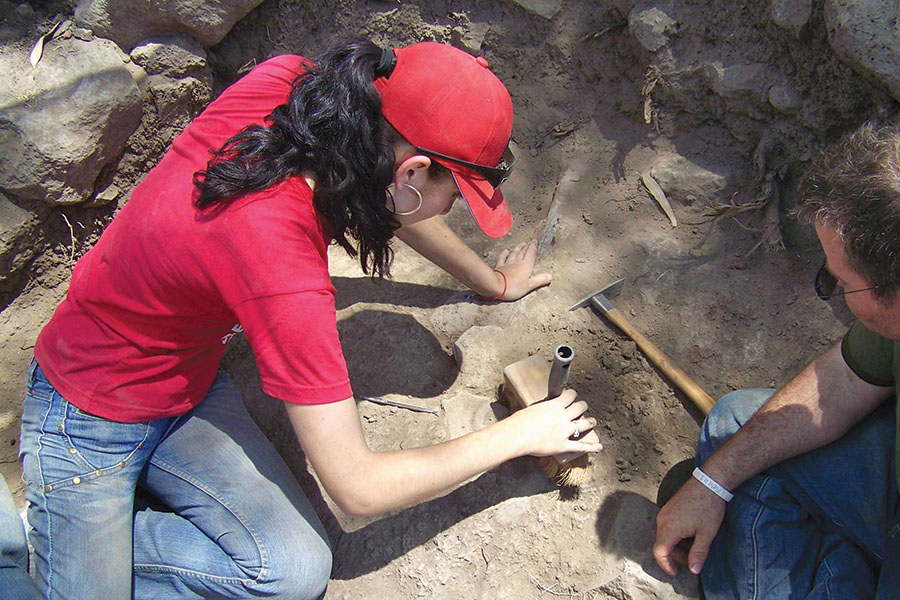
<point x="494" y="175"/>
<point x="826" y="285"/>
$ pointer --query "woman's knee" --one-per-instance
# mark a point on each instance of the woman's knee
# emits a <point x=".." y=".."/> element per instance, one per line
<point x="301" y="573"/>
<point x="729" y="414"/>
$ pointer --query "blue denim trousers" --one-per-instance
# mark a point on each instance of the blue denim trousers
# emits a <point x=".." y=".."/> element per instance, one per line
<point x="15" y="582"/>
<point x="820" y="525"/>
<point x="228" y="519"/>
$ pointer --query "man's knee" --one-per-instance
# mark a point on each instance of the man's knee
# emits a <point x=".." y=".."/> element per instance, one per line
<point x="729" y="414"/>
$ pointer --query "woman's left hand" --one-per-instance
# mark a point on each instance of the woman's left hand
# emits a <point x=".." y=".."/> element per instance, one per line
<point x="517" y="265"/>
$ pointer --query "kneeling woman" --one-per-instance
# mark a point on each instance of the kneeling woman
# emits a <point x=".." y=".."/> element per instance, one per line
<point x="229" y="233"/>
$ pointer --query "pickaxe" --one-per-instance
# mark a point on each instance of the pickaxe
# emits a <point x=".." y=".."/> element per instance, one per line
<point x="601" y="301"/>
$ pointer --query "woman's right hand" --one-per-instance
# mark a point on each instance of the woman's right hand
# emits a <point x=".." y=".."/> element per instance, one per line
<point x="547" y="428"/>
<point x="517" y="267"/>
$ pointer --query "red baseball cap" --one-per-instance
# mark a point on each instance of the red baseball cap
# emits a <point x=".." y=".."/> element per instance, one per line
<point x="453" y="109"/>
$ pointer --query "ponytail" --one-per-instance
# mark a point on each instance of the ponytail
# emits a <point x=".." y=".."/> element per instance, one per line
<point x="331" y="126"/>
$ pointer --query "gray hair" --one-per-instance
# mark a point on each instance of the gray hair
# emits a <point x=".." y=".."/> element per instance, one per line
<point x="854" y="187"/>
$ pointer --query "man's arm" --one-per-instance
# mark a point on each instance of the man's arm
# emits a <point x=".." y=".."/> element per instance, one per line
<point x="818" y="406"/>
<point x="434" y="240"/>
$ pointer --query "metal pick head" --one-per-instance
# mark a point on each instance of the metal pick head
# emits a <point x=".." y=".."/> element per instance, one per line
<point x="610" y="291"/>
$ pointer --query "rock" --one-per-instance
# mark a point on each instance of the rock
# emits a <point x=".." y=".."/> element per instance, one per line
<point x="127" y="22"/>
<point x="791" y="14"/>
<point x="511" y="511"/>
<point x="456" y="315"/>
<point x="466" y="413"/>
<point x="469" y="38"/>
<point x="88" y="94"/>
<point x="173" y="56"/>
<point x="686" y="181"/>
<point x="178" y="100"/>
<point x="863" y="33"/>
<point x="109" y="194"/>
<point x="85" y="35"/>
<point x="738" y="78"/>
<point x="25" y="11"/>
<point x="542" y="8"/>
<point x="785" y="98"/>
<point x="475" y="353"/>
<point x="652" y="25"/>
<point x="17" y="241"/>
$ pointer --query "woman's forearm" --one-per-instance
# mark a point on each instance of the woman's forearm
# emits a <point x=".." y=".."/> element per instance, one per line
<point x="434" y="240"/>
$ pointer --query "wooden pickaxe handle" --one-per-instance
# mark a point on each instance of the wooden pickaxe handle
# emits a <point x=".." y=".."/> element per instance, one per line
<point x="701" y="399"/>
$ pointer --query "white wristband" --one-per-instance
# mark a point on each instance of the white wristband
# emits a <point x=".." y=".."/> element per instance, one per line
<point x="713" y="486"/>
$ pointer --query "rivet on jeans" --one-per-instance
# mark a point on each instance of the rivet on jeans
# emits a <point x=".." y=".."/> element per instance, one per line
<point x="72" y="450"/>
<point x="77" y="480"/>
<point x="59" y="427"/>
<point x="98" y="472"/>
<point x="47" y="489"/>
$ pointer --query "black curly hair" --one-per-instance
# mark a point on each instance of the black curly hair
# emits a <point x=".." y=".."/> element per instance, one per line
<point x="331" y="126"/>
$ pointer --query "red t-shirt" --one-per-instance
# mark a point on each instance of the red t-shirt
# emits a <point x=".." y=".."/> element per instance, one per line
<point x="152" y="305"/>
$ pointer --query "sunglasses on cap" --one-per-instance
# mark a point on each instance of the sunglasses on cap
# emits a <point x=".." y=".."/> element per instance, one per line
<point x="494" y="175"/>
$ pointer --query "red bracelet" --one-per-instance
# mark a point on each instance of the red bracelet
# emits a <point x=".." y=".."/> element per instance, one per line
<point x="505" y="285"/>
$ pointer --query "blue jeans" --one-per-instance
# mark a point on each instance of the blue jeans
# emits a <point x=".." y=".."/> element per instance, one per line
<point x="15" y="582"/>
<point x="228" y="519"/>
<point x="820" y="525"/>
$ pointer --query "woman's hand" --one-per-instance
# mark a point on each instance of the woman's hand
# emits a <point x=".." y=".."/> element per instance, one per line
<point x="517" y="266"/>
<point x="548" y="428"/>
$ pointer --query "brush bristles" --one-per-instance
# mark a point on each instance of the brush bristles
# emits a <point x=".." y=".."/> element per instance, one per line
<point x="575" y="473"/>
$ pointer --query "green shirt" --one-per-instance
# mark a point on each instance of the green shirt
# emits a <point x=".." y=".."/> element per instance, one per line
<point x="876" y="360"/>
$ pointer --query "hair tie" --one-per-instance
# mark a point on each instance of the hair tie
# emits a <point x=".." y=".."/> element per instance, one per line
<point x="386" y="63"/>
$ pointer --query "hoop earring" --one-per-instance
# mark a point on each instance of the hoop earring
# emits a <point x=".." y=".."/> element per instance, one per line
<point x="408" y="212"/>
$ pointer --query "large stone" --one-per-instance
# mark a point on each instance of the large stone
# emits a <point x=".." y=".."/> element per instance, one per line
<point x="785" y="98"/>
<point x="739" y="78"/>
<point x="466" y="412"/>
<point x="864" y="34"/>
<point x="543" y="8"/>
<point x="686" y="182"/>
<point x="652" y="24"/>
<point x="476" y="354"/>
<point x="17" y="243"/>
<point x="791" y="14"/>
<point x="174" y="56"/>
<point x="62" y="122"/>
<point x="127" y="22"/>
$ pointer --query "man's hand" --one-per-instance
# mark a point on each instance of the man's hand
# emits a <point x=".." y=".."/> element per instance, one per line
<point x="517" y="265"/>
<point x="694" y="512"/>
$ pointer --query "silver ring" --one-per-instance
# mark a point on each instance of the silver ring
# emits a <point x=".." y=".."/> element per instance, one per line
<point x="577" y="430"/>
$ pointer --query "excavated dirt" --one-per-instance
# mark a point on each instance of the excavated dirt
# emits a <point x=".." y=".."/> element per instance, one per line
<point x="731" y="311"/>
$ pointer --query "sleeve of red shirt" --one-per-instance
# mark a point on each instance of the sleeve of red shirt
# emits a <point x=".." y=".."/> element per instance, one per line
<point x="295" y="342"/>
<point x="271" y="266"/>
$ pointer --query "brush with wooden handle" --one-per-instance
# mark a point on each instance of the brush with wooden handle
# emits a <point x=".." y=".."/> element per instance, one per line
<point x="532" y="380"/>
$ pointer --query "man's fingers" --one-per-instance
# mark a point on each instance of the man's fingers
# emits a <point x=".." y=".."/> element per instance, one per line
<point x="699" y="551"/>
<point x="662" y="552"/>
<point x="680" y="552"/>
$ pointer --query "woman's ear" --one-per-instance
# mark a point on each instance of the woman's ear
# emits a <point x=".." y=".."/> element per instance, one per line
<point x="412" y="169"/>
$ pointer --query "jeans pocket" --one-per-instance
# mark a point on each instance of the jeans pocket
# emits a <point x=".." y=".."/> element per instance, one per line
<point x="101" y="445"/>
<point x="64" y="446"/>
<point x="37" y="385"/>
